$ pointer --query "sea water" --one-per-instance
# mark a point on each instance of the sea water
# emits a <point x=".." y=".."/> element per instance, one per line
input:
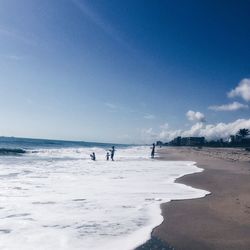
<point x="54" y="197"/>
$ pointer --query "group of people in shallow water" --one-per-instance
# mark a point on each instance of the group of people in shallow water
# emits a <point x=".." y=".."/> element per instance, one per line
<point x="112" y="153"/>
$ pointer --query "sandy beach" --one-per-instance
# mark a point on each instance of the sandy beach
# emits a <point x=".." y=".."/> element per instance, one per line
<point x="218" y="221"/>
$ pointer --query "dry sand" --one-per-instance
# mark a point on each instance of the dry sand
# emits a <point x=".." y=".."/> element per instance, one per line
<point x="218" y="221"/>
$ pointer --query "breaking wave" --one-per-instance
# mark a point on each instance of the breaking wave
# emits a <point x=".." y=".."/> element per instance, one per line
<point x="12" y="151"/>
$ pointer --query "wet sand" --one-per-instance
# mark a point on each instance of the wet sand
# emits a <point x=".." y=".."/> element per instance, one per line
<point x="218" y="221"/>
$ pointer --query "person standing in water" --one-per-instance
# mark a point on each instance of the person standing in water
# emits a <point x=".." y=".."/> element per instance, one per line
<point x="153" y="151"/>
<point x="112" y="151"/>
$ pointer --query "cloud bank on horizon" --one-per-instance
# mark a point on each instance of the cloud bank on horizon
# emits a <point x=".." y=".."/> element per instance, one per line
<point x="200" y="128"/>
<point x="209" y="131"/>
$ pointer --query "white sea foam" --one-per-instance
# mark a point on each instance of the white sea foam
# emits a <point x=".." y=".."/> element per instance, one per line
<point x="59" y="199"/>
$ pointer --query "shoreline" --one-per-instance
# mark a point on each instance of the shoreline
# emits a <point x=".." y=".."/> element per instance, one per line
<point x="217" y="221"/>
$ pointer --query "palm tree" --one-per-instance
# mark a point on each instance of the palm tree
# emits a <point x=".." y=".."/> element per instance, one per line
<point x="243" y="132"/>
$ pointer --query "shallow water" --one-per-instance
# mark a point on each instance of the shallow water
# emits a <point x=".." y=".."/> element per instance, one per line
<point x="56" y="198"/>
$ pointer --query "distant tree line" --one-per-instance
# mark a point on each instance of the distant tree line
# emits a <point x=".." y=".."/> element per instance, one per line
<point x="243" y="132"/>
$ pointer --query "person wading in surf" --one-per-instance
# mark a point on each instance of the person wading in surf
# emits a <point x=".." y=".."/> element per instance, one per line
<point x="112" y="153"/>
<point x="153" y="151"/>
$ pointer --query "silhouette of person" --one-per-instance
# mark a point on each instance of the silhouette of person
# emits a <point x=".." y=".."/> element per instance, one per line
<point x="107" y="156"/>
<point x="112" y="151"/>
<point x="92" y="156"/>
<point x="153" y="151"/>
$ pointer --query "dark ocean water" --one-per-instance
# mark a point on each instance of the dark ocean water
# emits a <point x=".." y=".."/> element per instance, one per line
<point x="14" y="145"/>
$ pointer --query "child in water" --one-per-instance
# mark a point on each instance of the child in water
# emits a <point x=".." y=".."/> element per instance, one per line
<point x="107" y="156"/>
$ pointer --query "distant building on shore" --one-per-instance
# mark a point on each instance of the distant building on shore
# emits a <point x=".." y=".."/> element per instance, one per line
<point x="188" y="141"/>
<point x="192" y="141"/>
<point x="175" y="142"/>
<point x="236" y="140"/>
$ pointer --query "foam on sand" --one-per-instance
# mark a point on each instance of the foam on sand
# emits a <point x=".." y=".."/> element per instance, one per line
<point x="59" y="199"/>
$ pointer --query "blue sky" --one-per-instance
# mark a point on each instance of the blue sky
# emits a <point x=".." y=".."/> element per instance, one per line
<point x="123" y="71"/>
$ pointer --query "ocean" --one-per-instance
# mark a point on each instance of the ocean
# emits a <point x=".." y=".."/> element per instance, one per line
<point x="52" y="196"/>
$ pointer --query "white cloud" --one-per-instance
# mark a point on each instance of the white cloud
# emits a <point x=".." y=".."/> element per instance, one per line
<point x="229" y="107"/>
<point x="167" y="135"/>
<point x="149" y="116"/>
<point x="209" y="131"/>
<point x="242" y="90"/>
<point x="195" y="116"/>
